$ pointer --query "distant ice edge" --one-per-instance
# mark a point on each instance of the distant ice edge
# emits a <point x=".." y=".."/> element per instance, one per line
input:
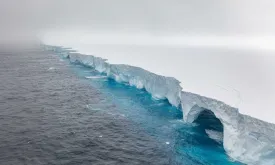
<point x="246" y="139"/>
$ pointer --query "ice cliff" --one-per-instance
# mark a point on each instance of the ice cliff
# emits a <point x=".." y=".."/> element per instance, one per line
<point x="245" y="139"/>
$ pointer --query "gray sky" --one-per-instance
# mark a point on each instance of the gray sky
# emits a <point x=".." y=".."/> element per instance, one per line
<point x="217" y="17"/>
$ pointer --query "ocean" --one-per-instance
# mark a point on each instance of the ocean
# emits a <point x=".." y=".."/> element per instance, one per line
<point x="53" y="112"/>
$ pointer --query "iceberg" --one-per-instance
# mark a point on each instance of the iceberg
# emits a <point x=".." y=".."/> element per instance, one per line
<point x="159" y="86"/>
<point x="245" y="139"/>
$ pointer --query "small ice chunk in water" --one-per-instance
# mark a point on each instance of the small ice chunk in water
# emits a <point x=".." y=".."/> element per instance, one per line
<point x="51" y="68"/>
<point x="167" y="143"/>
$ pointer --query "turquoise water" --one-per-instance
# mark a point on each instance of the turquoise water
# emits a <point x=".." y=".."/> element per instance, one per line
<point x="186" y="144"/>
<point x="57" y="113"/>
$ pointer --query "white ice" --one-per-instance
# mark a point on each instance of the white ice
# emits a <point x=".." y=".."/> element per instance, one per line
<point x="242" y="78"/>
<point x="245" y="138"/>
<point x="215" y="135"/>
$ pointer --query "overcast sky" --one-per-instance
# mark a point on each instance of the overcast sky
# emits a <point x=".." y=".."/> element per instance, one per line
<point x="219" y="17"/>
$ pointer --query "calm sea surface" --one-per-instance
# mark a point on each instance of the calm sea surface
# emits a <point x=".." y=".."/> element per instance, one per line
<point x="53" y="112"/>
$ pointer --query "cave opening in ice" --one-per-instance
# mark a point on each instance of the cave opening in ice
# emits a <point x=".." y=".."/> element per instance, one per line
<point x="210" y="125"/>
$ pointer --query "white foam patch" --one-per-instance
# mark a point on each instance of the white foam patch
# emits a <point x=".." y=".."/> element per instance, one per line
<point x="51" y="68"/>
<point x="90" y="106"/>
<point x="96" y="77"/>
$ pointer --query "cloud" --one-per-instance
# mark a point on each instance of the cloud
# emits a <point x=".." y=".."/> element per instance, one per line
<point x="154" y="16"/>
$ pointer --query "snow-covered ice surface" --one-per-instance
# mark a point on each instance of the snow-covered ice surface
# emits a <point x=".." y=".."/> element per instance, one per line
<point x="234" y="76"/>
<point x="246" y="139"/>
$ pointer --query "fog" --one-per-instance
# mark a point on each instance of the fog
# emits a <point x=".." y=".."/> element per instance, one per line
<point x="227" y="43"/>
<point x="155" y="17"/>
<point x="246" y="23"/>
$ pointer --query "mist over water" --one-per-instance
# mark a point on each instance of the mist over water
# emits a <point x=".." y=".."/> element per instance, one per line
<point x="213" y="21"/>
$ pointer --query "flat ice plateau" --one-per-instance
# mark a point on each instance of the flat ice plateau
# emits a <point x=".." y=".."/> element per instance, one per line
<point x="246" y="139"/>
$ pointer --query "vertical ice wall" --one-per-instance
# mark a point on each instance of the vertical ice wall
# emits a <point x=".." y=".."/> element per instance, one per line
<point x="246" y="139"/>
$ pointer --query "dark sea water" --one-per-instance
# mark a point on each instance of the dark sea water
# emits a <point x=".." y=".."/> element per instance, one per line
<point x="53" y="112"/>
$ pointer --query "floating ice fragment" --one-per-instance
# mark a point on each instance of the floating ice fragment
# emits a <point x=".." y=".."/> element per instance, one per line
<point x="51" y="68"/>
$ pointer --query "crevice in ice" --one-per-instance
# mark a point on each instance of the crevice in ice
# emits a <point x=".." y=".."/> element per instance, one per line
<point x="245" y="139"/>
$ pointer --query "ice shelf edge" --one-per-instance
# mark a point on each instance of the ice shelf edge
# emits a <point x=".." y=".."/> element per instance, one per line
<point x="246" y="139"/>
